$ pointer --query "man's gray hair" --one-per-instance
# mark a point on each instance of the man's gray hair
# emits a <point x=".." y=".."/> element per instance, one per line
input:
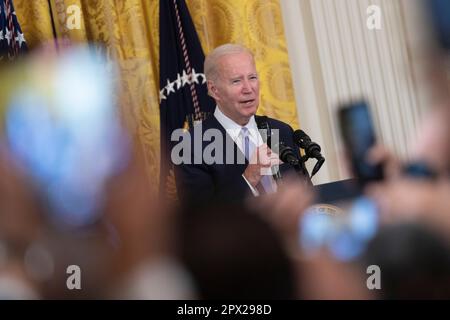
<point x="210" y="67"/>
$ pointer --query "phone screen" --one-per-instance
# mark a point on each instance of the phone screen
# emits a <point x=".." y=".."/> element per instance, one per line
<point x="439" y="13"/>
<point x="359" y="136"/>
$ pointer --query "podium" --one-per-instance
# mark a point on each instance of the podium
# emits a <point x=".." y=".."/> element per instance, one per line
<point x="337" y="191"/>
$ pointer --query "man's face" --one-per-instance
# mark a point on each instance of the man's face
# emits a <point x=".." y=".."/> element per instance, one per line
<point x="236" y="89"/>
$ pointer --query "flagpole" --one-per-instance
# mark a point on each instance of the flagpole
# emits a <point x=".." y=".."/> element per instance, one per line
<point x="53" y="25"/>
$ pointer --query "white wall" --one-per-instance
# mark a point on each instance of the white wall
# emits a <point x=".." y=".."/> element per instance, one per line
<point x="334" y="57"/>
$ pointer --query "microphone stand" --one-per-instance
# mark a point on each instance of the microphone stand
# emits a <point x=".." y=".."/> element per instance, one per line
<point x="301" y="170"/>
<point x="266" y="133"/>
<point x="317" y="166"/>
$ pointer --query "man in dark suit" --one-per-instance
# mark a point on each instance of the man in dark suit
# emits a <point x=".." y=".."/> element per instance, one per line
<point x="225" y="157"/>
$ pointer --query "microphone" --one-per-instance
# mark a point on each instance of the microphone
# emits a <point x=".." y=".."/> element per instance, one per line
<point x="266" y="133"/>
<point x="312" y="149"/>
<point x="287" y="154"/>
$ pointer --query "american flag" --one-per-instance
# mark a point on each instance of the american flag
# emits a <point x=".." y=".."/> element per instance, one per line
<point x="183" y="93"/>
<point x="12" y="40"/>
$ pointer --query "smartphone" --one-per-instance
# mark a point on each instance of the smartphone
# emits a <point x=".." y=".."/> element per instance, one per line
<point x="359" y="136"/>
<point x="439" y="15"/>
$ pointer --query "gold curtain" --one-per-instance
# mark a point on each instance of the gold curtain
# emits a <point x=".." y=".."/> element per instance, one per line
<point x="129" y="31"/>
<point x="35" y="20"/>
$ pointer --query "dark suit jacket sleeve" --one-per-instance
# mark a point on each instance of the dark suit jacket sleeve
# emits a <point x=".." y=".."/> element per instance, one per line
<point x="197" y="186"/>
<point x="199" y="183"/>
<point x="193" y="182"/>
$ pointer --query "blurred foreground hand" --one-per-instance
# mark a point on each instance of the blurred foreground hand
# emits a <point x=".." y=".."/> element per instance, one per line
<point x="284" y="208"/>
